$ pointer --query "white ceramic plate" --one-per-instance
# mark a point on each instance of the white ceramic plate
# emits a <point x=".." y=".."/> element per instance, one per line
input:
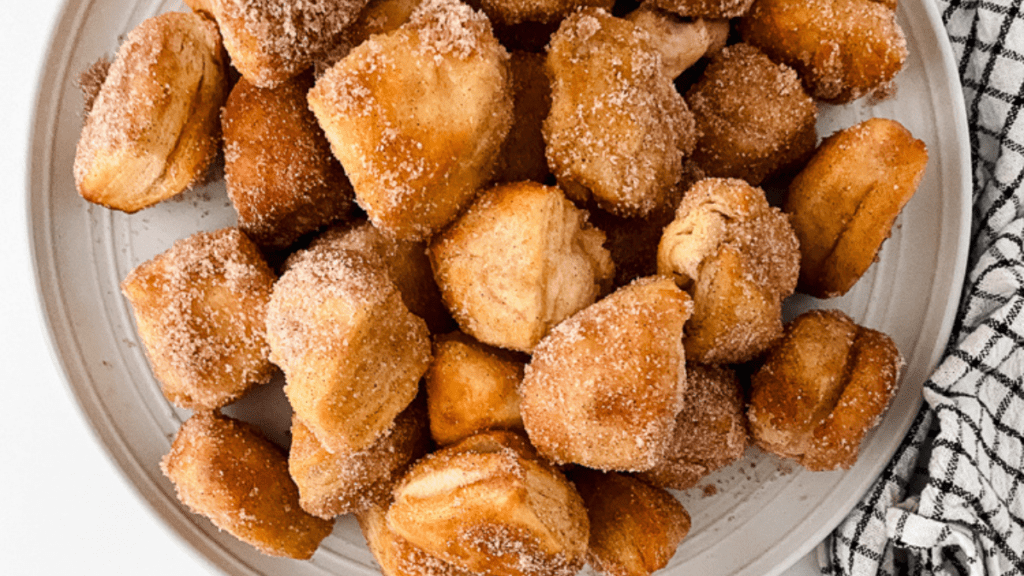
<point x="766" y="513"/>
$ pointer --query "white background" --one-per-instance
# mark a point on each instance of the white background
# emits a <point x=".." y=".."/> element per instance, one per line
<point x="64" y="507"/>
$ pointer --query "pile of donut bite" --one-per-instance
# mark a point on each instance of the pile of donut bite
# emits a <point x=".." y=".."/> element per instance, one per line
<point x="512" y="257"/>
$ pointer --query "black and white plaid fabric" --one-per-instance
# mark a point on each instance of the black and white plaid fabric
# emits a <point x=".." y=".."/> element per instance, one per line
<point x="952" y="499"/>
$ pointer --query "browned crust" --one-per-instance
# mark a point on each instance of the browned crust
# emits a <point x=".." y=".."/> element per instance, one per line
<point x="753" y="116"/>
<point x="490" y="506"/>
<point x="842" y="49"/>
<point x="226" y="470"/>
<point x="281" y="176"/>
<point x="471" y="387"/>
<point x="845" y="201"/>
<point x="271" y="41"/>
<point x="351" y="351"/>
<point x="604" y="388"/>
<point x="334" y="484"/>
<point x="406" y="263"/>
<point x="705" y="8"/>
<point x="611" y="100"/>
<point x="635" y="528"/>
<point x="414" y="168"/>
<point x="820" y="390"/>
<point x="739" y="258"/>
<point x="711" y="429"/>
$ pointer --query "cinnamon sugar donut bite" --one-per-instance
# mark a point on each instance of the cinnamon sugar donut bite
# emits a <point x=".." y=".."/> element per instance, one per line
<point x="821" y="389"/>
<point x="472" y="387"/>
<point x="281" y="176"/>
<point x="406" y="263"/>
<point x="604" y="387"/>
<point x="753" y="116"/>
<point x="415" y="163"/>
<point x="842" y="49"/>
<point x="618" y="129"/>
<point x="634" y="528"/>
<point x="200" y="309"/>
<point x="152" y="131"/>
<point x="491" y="506"/>
<point x="845" y="201"/>
<point x="334" y="484"/>
<point x="227" y="471"/>
<point x="711" y="429"/>
<point x="521" y="259"/>
<point x="351" y="351"/>
<point x="739" y="258"/>
<point x="271" y="41"/>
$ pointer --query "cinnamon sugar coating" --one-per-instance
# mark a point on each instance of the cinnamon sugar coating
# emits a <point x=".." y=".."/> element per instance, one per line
<point x="821" y="389"/>
<point x="618" y="130"/>
<point x="281" y="176"/>
<point x="604" y="387"/>
<point x="344" y="482"/>
<point x="406" y="263"/>
<point x="152" y="130"/>
<point x="634" y="528"/>
<point x="842" y="49"/>
<point x="492" y="507"/>
<point x="471" y="387"/>
<point x="90" y="81"/>
<point x="200" y="309"/>
<point x="711" y="429"/>
<point x="753" y="116"/>
<point x="395" y="555"/>
<point x="415" y="163"/>
<point x="227" y="471"/>
<point x="739" y="258"/>
<point x="521" y="259"/>
<point x="271" y="41"/>
<point x="845" y="201"/>
<point x="351" y="351"/>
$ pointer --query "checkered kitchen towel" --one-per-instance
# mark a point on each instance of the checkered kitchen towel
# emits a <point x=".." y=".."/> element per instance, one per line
<point x="952" y="499"/>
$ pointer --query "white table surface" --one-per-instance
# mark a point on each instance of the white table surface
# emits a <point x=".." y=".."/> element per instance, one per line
<point x="64" y="507"/>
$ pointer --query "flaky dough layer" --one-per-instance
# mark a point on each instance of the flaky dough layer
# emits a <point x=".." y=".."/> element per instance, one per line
<point x="844" y="202"/>
<point x="738" y="257"/>
<point x="492" y="506"/>
<point x="153" y="129"/>
<point x="521" y="259"/>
